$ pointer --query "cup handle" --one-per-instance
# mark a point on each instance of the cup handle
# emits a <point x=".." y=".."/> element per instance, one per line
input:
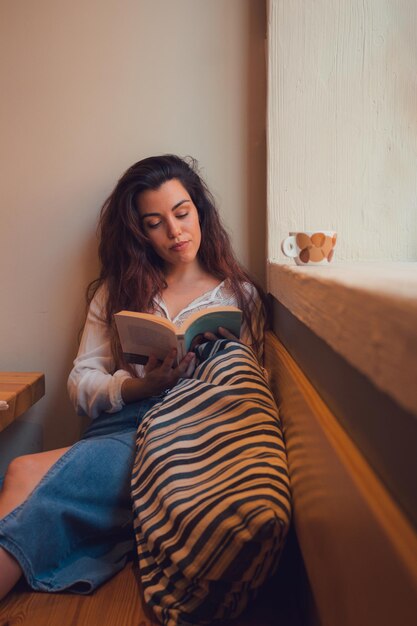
<point x="289" y="247"/>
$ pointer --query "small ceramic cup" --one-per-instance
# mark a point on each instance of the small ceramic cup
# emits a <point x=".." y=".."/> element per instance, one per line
<point x="310" y="247"/>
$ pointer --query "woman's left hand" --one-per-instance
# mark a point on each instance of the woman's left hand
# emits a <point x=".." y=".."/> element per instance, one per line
<point x="223" y="333"/>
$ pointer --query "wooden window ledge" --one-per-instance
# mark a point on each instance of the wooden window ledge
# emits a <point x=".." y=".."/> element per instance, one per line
<point x="366" y="312"/>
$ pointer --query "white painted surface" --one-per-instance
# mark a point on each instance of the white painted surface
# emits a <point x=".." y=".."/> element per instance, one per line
<point x="87" y="88"/>
<point x="366" y="312"/>
<point x="342" y="125"/>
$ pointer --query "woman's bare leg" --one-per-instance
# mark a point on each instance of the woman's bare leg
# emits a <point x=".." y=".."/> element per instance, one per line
<point x="10" y="572"/>
<point x="23" y="475"/>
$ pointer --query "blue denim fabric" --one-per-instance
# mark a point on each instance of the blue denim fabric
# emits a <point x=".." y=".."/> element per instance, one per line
<point x="75" y="531"/>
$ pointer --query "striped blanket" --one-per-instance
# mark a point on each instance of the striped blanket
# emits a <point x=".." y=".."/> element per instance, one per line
<point x="210" y="490"/>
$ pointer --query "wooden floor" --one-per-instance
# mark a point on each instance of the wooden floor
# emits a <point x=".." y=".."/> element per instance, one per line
<point x="282" y="602"/>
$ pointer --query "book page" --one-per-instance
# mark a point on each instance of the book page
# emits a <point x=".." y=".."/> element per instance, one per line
<point x="145" y="338"/>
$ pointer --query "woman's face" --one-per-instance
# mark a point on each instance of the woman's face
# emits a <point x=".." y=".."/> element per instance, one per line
<point x="170" y="222"/>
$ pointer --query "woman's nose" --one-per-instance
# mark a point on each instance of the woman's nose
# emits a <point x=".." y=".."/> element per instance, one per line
<point x="174" y="229"/>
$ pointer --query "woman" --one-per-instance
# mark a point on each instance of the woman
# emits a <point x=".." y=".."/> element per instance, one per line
<point x="66" y="514"/>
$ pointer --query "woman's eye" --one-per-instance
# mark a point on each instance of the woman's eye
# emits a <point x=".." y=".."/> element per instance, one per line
<point x="181" y="215"/>
<point x="153" y="224"/>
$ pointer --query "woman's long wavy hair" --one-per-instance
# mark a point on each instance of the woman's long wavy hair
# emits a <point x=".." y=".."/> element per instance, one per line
<point x="131" y="271"/>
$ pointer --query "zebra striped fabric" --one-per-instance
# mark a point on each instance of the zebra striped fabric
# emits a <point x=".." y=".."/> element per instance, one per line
<point x="210" y="490"/>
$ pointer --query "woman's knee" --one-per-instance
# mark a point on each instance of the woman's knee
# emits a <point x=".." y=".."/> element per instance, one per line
<point x="25" y="472"/>
<point x="20" y="471"/>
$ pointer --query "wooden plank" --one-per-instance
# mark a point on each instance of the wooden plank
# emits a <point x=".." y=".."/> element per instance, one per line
<point x="20" y="390"/>
<point x="120" y="601"/>
<point x="117" y="602"/>
<point x="359" y="549"/>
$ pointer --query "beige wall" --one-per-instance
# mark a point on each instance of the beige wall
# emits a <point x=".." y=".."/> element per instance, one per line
<point x="342" y="125"/>
<point x="89" y="87"/>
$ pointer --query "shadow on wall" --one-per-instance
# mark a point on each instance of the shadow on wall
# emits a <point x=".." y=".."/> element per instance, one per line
<point x="52" y="422"/>
<point x="256" y="141"/>
<point x="62" y="427"/>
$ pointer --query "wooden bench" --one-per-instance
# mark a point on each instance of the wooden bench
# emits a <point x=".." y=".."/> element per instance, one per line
<point x="358" y="546"/>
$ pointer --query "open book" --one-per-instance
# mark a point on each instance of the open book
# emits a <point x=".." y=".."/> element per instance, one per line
<point x="142" y="334"/>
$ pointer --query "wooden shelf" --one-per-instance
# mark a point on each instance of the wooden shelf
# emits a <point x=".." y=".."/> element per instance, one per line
<point x="359" y="548"/>
<point x="20" y="390"/>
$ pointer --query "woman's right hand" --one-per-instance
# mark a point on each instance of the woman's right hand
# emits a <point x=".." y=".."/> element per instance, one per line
<point x="159" y="376"/>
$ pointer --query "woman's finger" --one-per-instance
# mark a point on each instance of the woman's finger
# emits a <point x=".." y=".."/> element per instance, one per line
<point x="190" y="370"/>
<point x="210" y="336"/>
<point x="169" y="360"/>
<point x="151" y="364"/>
<point x="223" y="334"/>
<point x="185" y="364"/>
<point x="227" y="334"/>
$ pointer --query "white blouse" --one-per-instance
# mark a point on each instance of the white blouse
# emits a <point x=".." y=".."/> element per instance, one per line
<point x="94" y="385"/>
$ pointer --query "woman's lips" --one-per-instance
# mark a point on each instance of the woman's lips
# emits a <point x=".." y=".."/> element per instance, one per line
<point x="179" y="246"/>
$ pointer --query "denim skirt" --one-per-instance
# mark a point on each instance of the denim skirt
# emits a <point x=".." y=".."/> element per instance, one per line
<point x="75" y="529"/>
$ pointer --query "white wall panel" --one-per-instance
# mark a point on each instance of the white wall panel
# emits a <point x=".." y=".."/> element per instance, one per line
<point x="342" y="125"/>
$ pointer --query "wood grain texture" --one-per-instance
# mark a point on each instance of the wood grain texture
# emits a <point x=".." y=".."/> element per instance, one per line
<point x="360" y="551"/>
<point x="341" y="128"/>
<point x="119" y="602"/>
<point x="366" y="312"/>
<point x="20" y="390"/>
